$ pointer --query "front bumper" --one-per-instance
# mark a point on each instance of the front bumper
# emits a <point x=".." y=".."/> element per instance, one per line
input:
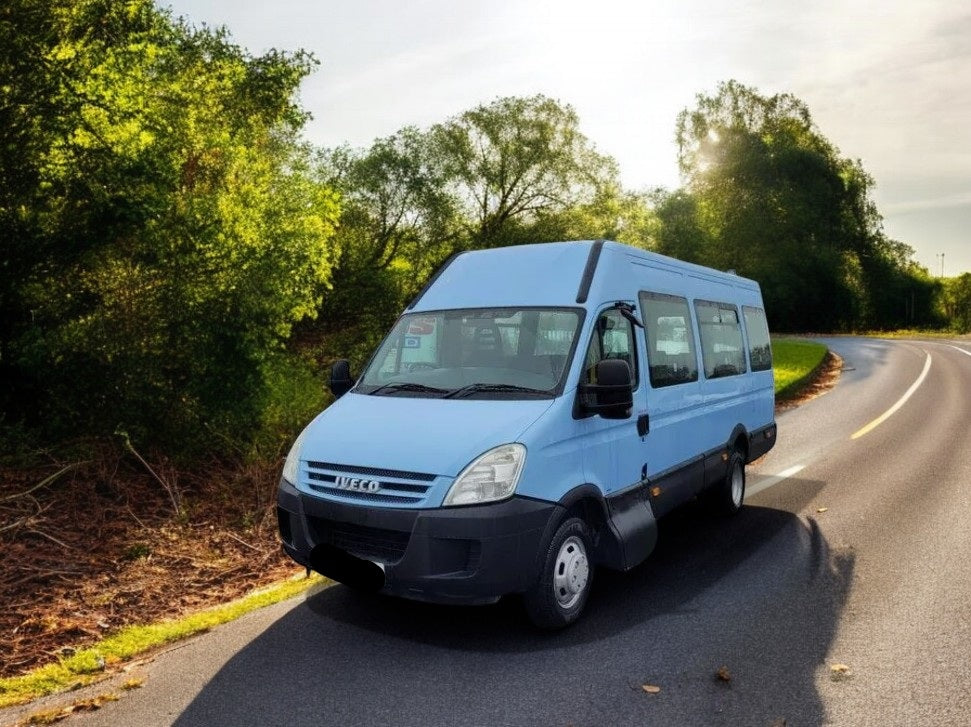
<point x="471" y="554"/>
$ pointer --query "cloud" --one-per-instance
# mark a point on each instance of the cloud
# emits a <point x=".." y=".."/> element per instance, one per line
<point x="961" y="199"/>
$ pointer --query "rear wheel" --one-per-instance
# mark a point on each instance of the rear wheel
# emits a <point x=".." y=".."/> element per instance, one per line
<point x="559" y="595"/>
<point x="728" y="496"/>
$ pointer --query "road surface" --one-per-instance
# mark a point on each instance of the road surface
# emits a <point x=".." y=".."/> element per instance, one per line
<point x="854" y="550"/>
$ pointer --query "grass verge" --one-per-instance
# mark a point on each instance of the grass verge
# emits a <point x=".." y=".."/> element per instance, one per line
<point x="912" y="333"/>
<point x="88" y="665"/>
<point x="795" y="362"/>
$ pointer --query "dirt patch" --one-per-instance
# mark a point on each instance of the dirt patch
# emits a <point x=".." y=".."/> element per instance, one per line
<point x="101" y="548"/>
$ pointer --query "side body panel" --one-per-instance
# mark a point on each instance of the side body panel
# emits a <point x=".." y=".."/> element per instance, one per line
<point x="692" y="425"/>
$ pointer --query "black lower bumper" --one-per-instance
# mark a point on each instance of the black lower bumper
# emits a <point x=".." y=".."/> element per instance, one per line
<point x="447" y="555"/>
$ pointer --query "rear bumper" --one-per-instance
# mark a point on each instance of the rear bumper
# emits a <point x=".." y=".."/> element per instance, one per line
<point x="447" y="555"/>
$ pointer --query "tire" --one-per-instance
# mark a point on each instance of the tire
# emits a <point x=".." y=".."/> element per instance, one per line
<point x="728" y="496"/>
<point x="558" y="596"/>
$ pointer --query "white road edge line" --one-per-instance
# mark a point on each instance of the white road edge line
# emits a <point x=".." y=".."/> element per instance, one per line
<point x="900" y="402"/>
<point x="962" y="350"/>
<point x="773" y="480"/>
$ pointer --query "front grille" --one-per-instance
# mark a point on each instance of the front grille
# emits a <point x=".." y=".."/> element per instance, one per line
<point x="323" y="478"/>
<point x="365" y="496"/>
<point x="385" y="546"/>
<point x="371" y="471"/>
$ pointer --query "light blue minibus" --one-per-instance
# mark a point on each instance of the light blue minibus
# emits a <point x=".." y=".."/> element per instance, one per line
<point x="530" y="416"/>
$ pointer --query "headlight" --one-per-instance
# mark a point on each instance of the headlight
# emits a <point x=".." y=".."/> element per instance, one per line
<point x="492" y="476"/>
<point x="291" y="467"/>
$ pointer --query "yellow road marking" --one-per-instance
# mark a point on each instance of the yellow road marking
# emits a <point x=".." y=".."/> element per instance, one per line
<point x="900" y="402"/>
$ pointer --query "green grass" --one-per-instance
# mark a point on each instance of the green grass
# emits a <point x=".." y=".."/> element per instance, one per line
<point x="912" y="333"/>
<point x="794" y="362"/>
<point x="88" y="665"/>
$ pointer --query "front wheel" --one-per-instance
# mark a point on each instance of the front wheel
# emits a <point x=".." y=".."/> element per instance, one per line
<point x="559" y="595"/>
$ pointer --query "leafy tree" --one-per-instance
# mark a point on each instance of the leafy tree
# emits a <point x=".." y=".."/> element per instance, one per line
<point x="397" y="224"/>
<point x="957" y="302"/>
<point x="680" y="232"/>
<point x="514" y="161"/>
<point x="172" y="224"/>
<point x="772" y="198"/>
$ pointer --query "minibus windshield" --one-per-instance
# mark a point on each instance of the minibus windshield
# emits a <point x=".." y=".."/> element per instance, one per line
<point x="505" y="353"/>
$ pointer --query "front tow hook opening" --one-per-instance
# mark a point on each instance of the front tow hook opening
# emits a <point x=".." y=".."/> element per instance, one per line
<point x="345" y="568"/>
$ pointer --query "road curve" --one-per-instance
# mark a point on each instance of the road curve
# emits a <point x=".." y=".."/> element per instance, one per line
<point x="851" y="551"/>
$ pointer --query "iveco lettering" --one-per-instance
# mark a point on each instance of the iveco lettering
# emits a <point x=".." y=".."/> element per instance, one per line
<point x="526" y="422"/>
<point x="353" y="483"/>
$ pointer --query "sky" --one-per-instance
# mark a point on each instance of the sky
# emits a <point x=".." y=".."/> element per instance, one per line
<point x="889" y="83"/>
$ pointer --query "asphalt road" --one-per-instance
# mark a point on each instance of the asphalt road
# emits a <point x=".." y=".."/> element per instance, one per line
<point x="854" y="549"/>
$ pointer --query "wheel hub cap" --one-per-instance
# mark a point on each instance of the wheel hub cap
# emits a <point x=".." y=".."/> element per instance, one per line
<point x="571" y="573"/>
<point x="738" y="481"/>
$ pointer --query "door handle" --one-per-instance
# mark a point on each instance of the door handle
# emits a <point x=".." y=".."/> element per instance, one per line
<point x="643" y="425"/>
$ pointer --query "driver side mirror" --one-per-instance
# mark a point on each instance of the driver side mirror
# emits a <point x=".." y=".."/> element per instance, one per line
<point x="340" y="378"/>
<point x="612" y="397"/>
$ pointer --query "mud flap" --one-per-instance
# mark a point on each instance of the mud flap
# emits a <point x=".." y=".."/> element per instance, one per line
<point x="632" y="519"/>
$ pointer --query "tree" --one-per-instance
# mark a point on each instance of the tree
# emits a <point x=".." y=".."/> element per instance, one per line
<point x="516" y="160"/>
<point x="680" y="232"/>
<point x="779" y="204"/>
<point x="957" y="302"/>
<point x="174" y="227"/>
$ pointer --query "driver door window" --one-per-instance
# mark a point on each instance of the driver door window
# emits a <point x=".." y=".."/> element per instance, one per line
<point x="613" y="337"/>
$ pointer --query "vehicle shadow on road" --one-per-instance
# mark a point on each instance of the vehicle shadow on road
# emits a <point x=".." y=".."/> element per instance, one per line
<point x="760" y="593"/>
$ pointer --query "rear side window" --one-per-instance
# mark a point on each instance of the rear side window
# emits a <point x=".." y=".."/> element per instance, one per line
<point x="670" y="339"/>
<point x="721" y="339"/>
<point x="759" y="348"/>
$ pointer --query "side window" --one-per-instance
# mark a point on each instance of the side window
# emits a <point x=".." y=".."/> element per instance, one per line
<point x="613" y="337"/>
<point x="670" y="339"/>
<point x="760" y="350"/>
<point x="721" y="339"/>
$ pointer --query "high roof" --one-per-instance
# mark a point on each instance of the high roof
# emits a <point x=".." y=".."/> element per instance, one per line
<point x="546" y="274"/>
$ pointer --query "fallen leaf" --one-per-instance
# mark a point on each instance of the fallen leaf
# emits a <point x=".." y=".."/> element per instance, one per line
<point x="723" y="674"/>
<point x="133" y="683"/>
<point x="651" y="689"/>
<point x="838" y="672"/>
<point x="49" y="716"/>
<point x="822" y="509"/>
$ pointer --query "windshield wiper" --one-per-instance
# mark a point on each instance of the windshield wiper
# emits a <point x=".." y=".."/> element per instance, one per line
<point x="407" y="386"/>
<point x="503" y="388"/>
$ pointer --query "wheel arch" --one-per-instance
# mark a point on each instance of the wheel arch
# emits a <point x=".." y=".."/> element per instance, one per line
<point x="739" y="441"/>
<point x="587" y="502"/>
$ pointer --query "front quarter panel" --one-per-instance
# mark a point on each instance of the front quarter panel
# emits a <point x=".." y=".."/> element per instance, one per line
<point x="554" y="459"/>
